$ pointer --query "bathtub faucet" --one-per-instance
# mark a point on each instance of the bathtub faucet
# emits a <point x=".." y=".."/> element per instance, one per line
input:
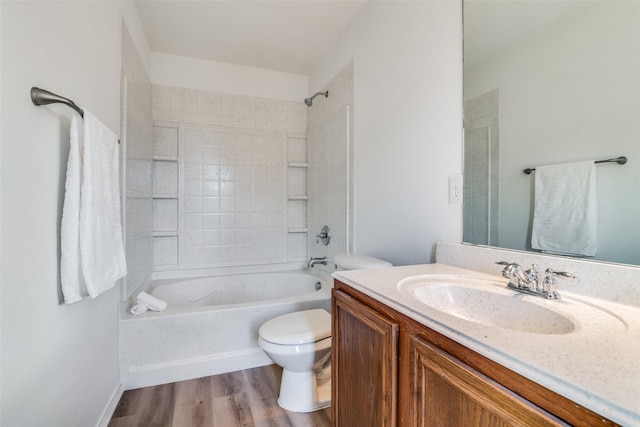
<point x="313" y="261"/>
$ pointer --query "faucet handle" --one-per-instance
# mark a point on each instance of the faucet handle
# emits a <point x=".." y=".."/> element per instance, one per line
<point x="324" y="236"/>
<point x="562" y="274"/>
<point x="509" y="270"/>
<point x="549" y="284"/>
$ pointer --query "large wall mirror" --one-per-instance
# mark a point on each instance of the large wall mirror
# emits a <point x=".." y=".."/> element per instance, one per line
<point x="551" y="82"/>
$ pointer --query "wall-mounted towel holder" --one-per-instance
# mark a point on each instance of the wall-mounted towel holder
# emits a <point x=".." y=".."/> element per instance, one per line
<point x="44" y="97"/>
<point x="619" y="160"/>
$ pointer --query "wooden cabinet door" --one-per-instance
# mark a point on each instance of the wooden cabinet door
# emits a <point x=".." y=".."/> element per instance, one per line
<point x="447" y="392"/>
<point x="364" y="365"/>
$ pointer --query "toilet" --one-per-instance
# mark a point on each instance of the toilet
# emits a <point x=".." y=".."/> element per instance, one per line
<point x="300" y="343"/>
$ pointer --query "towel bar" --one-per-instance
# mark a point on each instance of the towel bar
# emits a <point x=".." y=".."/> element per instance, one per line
<point x="44" y="97"/>
<point x="620" y="160"/>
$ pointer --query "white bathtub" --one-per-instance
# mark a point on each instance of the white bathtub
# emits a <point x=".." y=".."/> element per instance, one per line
<point x="239" y="289"/>
<point x="211" y="323"/>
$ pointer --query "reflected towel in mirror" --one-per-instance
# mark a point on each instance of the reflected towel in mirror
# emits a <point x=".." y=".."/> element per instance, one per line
<point x="565" y="217"/>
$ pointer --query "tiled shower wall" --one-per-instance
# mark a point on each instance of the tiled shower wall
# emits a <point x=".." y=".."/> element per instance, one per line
<point x="330" y="166"/>
<point x="482" y="169"/>
<point x="230" y="177"/>
<point x="137" y="136"/>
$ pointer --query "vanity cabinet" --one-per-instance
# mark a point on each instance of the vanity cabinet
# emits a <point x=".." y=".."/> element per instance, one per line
<point x="364" y="358"/>
<point x="389" y="370"/>
<point x="447" y="392"/>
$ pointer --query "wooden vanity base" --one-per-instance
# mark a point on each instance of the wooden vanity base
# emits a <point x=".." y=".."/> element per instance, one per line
<point x="389" y="370"/>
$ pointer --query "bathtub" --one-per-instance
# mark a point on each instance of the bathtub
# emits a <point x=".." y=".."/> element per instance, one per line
<point x="211" y="323"/>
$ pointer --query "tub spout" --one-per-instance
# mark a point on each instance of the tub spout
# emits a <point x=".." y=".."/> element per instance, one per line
<point x="313" y="261"/>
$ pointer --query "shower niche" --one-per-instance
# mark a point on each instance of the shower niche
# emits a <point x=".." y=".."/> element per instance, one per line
<point x="165" y="196"/>
<point x="230" y="184"/>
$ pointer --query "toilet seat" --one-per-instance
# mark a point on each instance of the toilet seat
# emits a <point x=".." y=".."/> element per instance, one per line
<point x="299" y="349"/>
<point x="302" y="327"/>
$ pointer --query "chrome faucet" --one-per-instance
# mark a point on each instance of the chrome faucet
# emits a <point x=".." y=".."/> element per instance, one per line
<point x="527" y="281"/>
<point x="313" y="261"/>
<point x="518" y="277"/>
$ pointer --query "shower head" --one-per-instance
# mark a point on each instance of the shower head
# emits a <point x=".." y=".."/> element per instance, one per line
<point x="309" y="101"/>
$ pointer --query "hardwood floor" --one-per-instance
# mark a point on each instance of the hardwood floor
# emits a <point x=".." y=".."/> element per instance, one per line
<point x="242" y="398"/>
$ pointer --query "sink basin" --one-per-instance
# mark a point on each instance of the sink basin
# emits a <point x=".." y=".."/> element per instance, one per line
<point x="486" y="302"/>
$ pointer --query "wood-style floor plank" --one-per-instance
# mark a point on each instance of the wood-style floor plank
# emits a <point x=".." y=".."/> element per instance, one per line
<point x="158" y="405"/>
<point x="265" y="382"/>
<point x="192" y="406"/>
<point x="232" y="411"/>
<point x="227" y="384"/>
<point x="246" y="398"/>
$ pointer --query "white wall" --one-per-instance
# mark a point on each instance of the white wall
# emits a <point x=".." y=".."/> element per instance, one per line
<point x="137" y="34"/>
<point x="213" y="76"/>
<point x="59" y="363"/>
<point x="571" y="94"/>
<point x="408" y="124"/>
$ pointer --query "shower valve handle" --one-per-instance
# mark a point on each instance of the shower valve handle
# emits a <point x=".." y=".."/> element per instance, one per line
<point x="324" y="236"/>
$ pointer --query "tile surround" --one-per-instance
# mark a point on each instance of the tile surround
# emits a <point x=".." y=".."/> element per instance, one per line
<point x="164" y="173"/>
<point x="180" y="105"/>
<point x="165" y="215"/>
<point x="165" y="142"/>
<point x="330" y="166"/>
<point x="227" y="200"/>
<point x="233" y="187"/>
<point x="227" y="158"/>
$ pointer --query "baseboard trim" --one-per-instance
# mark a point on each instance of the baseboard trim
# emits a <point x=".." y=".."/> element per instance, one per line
<point x="150" y="375"/>
<point x="111" y="407"/>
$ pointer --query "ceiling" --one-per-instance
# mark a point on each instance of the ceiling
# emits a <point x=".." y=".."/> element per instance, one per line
<point x="289" y="36"/>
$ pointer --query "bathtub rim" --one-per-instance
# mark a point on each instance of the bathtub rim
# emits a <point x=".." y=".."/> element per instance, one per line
<point x="241" y="269"/>
<point x="322" y="275"/>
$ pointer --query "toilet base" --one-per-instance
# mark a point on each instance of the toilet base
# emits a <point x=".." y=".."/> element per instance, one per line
<point x="299" y="392"/>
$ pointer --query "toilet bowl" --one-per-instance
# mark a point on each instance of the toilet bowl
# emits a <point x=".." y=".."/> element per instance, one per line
<point x="300" y="343"/>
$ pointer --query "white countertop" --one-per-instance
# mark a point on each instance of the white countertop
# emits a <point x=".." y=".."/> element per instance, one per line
<point x="597" y="365"/>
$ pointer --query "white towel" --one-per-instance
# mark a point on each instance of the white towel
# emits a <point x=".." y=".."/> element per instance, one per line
<point x="73" y="287"/>
<point x="91" y="245"/>
<point x="153" y="303"/>
<point x="139" y="309"/>
<point x="565" y="217"/>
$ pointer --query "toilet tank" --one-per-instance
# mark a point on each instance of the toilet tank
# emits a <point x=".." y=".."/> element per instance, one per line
<point x="358" y="262"/>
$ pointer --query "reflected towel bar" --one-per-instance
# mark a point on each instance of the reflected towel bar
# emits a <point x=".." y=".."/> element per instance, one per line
<point x="44" y="97"/>
<point x="620" y="160"/>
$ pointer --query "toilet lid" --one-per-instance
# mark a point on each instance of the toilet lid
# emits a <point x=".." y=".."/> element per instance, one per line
<point x="359" y="262"/>
<point x="301" y="327"/>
